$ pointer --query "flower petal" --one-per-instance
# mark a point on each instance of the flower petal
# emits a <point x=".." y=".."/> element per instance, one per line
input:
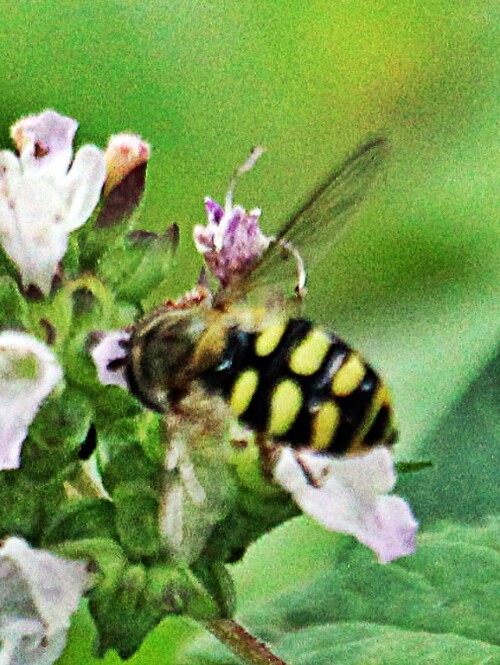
<point x="107" y="353"/>
<point x="214" y="210"/>
<point x="31" y="231"/>
<point x="83" y="185"/>
<point x="10" y="172"/>
<point x="349" y="495"/>
<point x="45" y="142"/>
<point x="28" y="373"/>
<point x="39" y="592"/>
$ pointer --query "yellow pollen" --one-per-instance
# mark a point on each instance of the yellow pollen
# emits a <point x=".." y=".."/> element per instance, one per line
<point x="349" y="376"/>
<point x="269" y="339"/>
<point x="325" y="423"/>
<point x="286" y="401"/>
<point x="308" y="356"/>
<point x="243" y="391"/>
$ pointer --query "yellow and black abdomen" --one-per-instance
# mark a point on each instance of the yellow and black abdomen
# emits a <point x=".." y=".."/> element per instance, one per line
<point x="304" y="387"/>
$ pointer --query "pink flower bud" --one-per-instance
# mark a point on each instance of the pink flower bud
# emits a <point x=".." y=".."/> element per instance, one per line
<point x="124" y="153"/>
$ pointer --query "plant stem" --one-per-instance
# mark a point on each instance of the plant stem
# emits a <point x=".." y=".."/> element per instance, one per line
<point x="242" y="643"/>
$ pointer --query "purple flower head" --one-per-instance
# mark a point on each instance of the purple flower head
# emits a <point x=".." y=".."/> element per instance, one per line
<point x="232" y="239"/>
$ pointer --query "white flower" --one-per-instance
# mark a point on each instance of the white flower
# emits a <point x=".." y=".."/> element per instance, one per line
<point x="41" y="201"/>
<point x="39" y="592"/>
<point x="350" y="495"/>
<point x="28" y="373"/>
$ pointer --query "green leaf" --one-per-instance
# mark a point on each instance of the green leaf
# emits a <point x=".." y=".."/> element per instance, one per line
<point x="463" y="482"/>
<point x="137" y="264"/>
<point x="13" y="307"/>
<point x="119" y="618"/>
<point x="56" y="434"/>
<point x="127" y="462"/>
<point x="140" y="597"/>
<point x="111" y="404"/>
<point x="219" y="583"/>
<point x="77" y="519"/>
<point x="128" y="600"/>
<point x="331" y="599"/>
<point x="369" y="644"/>
<point x="93" y="242"/>
<point x="63" y="419"/>
<point x="71" y="260"/>
<point x="82" y="637"/>
<point x="161" y="646"/>
<point x="358" y="643"/>
<point x="7" y="266"/>
<point x="53" y="317"/>
<point x="26" y="503"/>
<point x="137" y="507"/>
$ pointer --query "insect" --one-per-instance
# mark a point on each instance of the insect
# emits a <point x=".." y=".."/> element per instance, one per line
<point x="288" y="380"/>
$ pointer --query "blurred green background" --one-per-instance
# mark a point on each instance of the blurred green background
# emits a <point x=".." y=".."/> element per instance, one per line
<point x="416" y="283"/>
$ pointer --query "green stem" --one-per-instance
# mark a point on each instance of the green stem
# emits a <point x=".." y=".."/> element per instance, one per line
<point x="242" y="643"/>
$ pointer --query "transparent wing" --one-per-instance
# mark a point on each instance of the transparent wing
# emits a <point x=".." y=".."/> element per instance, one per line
<point x="315" y="228"/>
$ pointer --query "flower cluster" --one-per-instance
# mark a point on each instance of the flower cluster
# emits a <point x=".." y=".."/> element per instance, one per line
<point x="118" y="487"/>
<point x="46" y="193"/>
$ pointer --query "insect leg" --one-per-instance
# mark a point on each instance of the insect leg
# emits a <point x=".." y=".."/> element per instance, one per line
<point x="311" y="479"/>
<point x="268" y="454"/>
<point x="300" y="288"/>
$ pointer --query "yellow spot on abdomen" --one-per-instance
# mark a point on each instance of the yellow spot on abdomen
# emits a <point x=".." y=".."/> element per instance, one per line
<point x="324" y="425"/>
<point x="349" y="376"/>
<point x="243" y="391"/>
<point x="380" y="397"/>
<point x="286" y="401"/>
<point x="308" y="356"/>
<point x="269" y="339"/>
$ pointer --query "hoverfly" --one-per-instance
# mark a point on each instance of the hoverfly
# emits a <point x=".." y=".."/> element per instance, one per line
<point x="288" y="380"/>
